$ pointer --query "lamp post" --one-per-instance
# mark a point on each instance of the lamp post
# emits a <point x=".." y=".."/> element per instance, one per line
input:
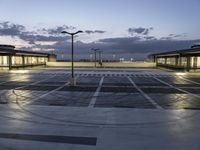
<point x="100" y="52"/>
<point x="72" y="81"/>
<point x="95" y="55"/>
<point x="100" y="58"/>
<point x="114" y="56"/>
<point x="91" y="57"/>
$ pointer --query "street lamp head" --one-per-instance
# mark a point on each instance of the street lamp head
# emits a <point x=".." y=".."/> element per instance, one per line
<point x="65" y="32"/>
<point x="95" y="49"/>
<point x="80" y="31"/>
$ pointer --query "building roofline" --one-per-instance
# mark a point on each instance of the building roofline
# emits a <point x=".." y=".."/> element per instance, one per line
<point x="31" y="52"/>
<point x="7" y="46"/>
<point x="195" y="50"/>
<point x="10" y="50"/>
<point x="23" y="52"/>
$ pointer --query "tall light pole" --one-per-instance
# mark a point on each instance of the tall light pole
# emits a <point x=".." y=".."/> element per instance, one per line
<point x="95" y="55"/>
<point x="91" y="57"/>
<point x="114" y="56"/>
<point x="72" y="81"/>
<point x="100" y="57"/>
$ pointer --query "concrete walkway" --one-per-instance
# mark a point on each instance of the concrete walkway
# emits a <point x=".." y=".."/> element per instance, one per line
<point x="78" y="128"/>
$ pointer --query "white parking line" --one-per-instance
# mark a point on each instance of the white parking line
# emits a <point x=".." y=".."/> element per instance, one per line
<point x="94" y="98"/>
<point x="17" y="79"/>
<point x="184" y="91"/>
<point x="190" y="80"/>
<point x="145" y="95"/>
<point x="18" y="88"/>
<point x="44" y="95"/>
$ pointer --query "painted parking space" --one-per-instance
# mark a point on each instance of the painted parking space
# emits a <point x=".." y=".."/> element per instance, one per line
<point x="146" y="81"/>
<point x="123" y="100"/>
<point x="176" y="101"/>
<point x="64" y="98"/>
<point x="141" y="89"/>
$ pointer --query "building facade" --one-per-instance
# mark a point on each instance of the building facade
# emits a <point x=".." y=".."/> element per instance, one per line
<point x="11" y="58"/>
<point x="187" y="59"/>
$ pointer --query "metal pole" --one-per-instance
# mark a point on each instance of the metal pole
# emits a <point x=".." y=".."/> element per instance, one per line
<point x="72" y="56"/>
<point x="95" y="57"/>
<point x="99" y="56"/>
<point x="72" y="80"/>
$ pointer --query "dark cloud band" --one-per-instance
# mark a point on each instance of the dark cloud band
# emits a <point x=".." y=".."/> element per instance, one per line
<point x="140" y="30"/>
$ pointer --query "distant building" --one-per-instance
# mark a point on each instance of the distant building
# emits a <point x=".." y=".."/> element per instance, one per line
<point x="11" y="58"/>
<point x="187" y="59"/>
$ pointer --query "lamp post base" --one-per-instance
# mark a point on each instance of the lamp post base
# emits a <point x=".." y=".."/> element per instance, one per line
<point x="72" y="82"/>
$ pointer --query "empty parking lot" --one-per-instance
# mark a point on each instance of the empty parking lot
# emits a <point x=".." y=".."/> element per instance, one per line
<point x="119" y="102"/>
<point x="144" y="89"/>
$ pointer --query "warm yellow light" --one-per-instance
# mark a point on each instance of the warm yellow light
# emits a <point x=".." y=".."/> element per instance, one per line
<point x="19" y="71"/>
<point x="180" y="74"/>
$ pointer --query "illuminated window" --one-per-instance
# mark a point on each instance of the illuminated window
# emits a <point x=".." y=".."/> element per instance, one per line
<point x="171" y="61"/>
<point x="161" y="60"/>
<point x="3" y="60"/>
<point x="41" y="60"/>
<point x="16" y="60"/>
<point x="183" y="61"/>
<point x="34" y="60"/>
<point x="198" y="62"/>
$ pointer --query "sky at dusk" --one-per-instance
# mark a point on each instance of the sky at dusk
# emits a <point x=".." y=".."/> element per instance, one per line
<point x="120" y="28"/>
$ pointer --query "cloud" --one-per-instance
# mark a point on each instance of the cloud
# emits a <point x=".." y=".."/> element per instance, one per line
<point x="9" y="29"/>
<point x="140" y="43"/>
<point x="149" y="38"/>
<point x="126" y="47"/>
<point x="56" y="30"/>
<point x="120" y="40"/>
<point x="31" y="38"/>
<point x="94" y="32"/>
<point x="174" y="36"/>
<point x="44" y="34"/>
<point x="140" y="30"/>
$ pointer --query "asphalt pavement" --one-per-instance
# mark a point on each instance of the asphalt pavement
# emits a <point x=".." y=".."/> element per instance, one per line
<point x="107" y="109"/>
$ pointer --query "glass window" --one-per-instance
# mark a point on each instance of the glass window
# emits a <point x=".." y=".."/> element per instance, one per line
<point x="198" y="62"/>
<point x="183" y="61"/>
<point x="34" y="60"/>
<point x="171" y="61"/>
<point x="17" y="60"/>
<point x="3" y="60"/>
<point x="41" y="60"/>
<point x="161" y="60"/>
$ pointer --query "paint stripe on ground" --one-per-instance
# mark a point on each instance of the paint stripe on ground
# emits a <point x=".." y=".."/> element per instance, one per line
<point x="184" y="91"/>
<point x="96" y="94"/>
<point x="145" y="95"/>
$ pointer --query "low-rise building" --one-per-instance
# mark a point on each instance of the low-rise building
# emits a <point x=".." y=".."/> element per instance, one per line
<point x="187" y="59"/>
<point x="11" y="58"/>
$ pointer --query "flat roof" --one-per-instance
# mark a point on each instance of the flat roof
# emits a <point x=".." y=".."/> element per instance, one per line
<point x="22" y="52"/>
<point x="195" y="50"/>
<point x="7" y="46"/>
<point x="9" y="49"/>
